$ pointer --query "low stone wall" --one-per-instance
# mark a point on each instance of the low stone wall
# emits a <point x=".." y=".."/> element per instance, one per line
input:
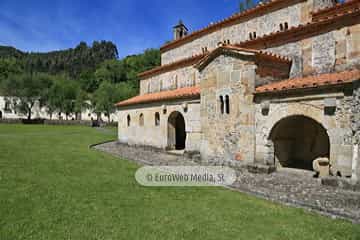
<point x="10" y="121"/>
<point x="68" y="122"/>
<point x="58" y="122"/>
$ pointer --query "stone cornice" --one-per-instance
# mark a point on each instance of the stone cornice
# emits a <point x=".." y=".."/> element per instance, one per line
<point x="259" y="10"/>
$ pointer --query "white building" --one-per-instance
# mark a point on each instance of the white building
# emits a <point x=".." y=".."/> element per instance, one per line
<point x="6" y="112"/>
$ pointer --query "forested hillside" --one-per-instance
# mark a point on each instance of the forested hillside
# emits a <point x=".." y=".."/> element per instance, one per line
<point x="66" y="81"/>
<point x="72" y="61"/>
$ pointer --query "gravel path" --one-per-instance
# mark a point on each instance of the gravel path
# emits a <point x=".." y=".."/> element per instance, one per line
<point x="295" y="188"/>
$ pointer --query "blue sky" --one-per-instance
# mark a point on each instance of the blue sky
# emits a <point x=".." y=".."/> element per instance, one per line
<point x="133" y="25"/>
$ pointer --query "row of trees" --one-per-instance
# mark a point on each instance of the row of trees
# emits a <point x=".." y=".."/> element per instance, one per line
<point x="59" y="94"/>
<point x="95" y="89"/>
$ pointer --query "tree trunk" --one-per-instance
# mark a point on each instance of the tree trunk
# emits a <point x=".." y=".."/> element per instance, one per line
<point x="29" y="111"/>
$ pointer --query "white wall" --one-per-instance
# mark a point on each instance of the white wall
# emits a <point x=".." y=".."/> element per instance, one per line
<point x="157" y="136"/>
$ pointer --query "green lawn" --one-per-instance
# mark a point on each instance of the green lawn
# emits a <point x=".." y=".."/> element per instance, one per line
<point x="52" y="186"/>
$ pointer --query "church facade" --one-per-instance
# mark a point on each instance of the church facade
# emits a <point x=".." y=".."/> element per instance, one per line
<point x="278" y="84"/>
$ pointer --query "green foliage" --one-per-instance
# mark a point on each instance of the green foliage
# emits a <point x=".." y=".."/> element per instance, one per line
<point x="128" y="68"/>
<point x="108" y="94"/>
<point x="246" y="4"/>
<point x="63" y="95"/>
<point x="81" y="101"/>
<point x="9" y="66"/>
<point x="73" y="77"/>
<point x="72" y="61"/>
<point x="25" y="90"/>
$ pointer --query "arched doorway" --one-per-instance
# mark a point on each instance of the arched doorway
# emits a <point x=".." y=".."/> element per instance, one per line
<point x="176" y="131"/>
<point x="298" y="141"/>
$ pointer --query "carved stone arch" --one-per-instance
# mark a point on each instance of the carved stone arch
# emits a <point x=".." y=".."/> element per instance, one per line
<point x="315" y="113"/>
<point x="294" y="111"/>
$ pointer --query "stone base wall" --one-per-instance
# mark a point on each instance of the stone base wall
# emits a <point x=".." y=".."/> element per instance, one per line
<point x="157" y="136"/>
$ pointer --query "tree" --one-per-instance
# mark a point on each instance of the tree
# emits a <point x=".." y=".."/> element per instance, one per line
<point x="62" y="95"/>
<point x="26" y="90"/>
<point x="9" y="66"/>
<point x="108" y="94"/>
<point x="246" y="4"/>
<point x="81" y="102"/>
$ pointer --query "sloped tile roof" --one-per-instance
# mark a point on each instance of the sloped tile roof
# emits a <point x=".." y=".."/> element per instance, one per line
<point x="233" y="48"/>
<point x="336" y="20"/>
<point x="172" y="66"/>
<point x="310" y="82"/>
<point x="339" y="8"/>
<point x="180" y="93"/>
<point x="199" y="59"/>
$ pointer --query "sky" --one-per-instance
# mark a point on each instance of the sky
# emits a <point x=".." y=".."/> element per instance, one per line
<point x="133" y="25"/>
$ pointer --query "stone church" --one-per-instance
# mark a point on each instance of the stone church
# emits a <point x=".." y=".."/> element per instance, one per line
<point x="275" y="85"/>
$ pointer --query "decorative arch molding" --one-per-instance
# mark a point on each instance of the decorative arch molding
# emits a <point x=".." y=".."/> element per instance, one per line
<point x="298" y="109"/>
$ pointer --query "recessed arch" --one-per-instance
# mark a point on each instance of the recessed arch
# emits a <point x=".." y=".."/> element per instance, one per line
<point x="176" y="131"/>
<point x="299" y="140"/>
<point x="157" y="119"/>
<point x="141" y="119"/>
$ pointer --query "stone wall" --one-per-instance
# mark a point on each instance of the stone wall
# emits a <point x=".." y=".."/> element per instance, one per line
<point x="264" y="24"/>
<point x="157" y="136"/>
<point x="320" y="4"/>
<point x="311" y="106"/>
<point x="228" y="138"/>
<point x="182" y="77"/>
<point x="333" y="51"/>
<point x="355" y="126"/>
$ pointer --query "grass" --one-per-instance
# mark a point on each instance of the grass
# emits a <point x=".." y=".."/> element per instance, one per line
<point x="52" y="186"/>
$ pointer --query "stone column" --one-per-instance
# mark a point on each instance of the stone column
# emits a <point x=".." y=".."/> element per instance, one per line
<point x="269" y="157"/>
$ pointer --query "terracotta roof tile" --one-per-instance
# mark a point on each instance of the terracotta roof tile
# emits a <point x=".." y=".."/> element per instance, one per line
<point x="198" y="59"/>
<point x="333" y="10"/>
<point x="339" y="18"/>
<point x="171" y="66"/>
<point x="310" y="82"/>
<point x="180" y="93"/>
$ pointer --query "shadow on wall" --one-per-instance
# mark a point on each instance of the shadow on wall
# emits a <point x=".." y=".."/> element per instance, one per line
<point x="298" y="141"/>
<point x="176" y="131"/>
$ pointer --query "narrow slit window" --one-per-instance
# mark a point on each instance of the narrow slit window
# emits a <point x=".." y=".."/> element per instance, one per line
<point x="128" y="120"/>
<point x="227" y="104"/>
<point x="281" y="27"/>
<point x="286" y="26"/>
<point x="222" y="104"/>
